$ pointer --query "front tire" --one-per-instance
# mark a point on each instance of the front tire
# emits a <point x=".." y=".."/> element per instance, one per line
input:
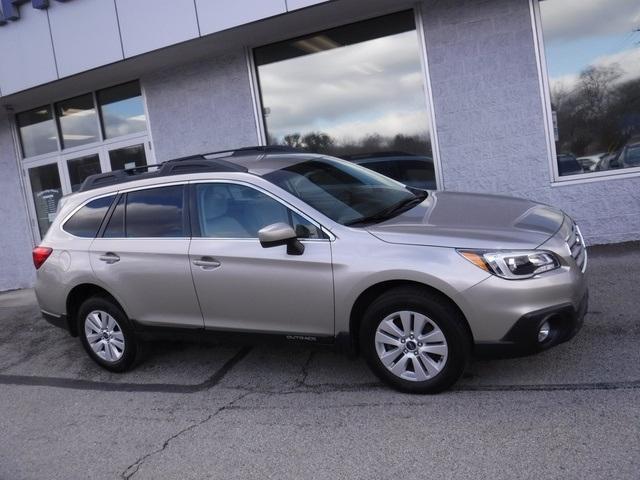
<point x="106" y="334"/>
<point x="415" y="341"/>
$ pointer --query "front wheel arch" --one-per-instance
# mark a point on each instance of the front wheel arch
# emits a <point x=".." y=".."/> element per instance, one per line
<point x="375" y="291"/>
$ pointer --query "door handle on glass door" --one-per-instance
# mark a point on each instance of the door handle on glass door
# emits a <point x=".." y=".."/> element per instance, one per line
<point x="110" y="258"/>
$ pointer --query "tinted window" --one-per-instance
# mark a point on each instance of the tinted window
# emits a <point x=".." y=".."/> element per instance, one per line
<point x="384" y="167"/>
<point x="47" y="191"/>
<point x="38" y="133"/>
<point x="115" y="227"/>
<point x="86" y="221"/>
<point x="78" y="121"/>
<point x="127" y="157"/>
<point x="81" y="168"/>
<point x="156" y="212"/>
<point x="236" y="211"/>
<point x="122" y="110"/>
<point x="417" y="173"/>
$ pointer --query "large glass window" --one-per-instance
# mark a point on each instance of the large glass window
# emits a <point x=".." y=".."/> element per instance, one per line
<point x="122" y="110"/>
<point x="357" y="89"/>
<point x="593" y="59"/>
<point x="38" y="133"/>
<point x="78" y="121"/>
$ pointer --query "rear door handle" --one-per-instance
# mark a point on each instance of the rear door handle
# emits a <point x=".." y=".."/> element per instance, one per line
<point x="207" y="263"/>
<point x="109" y="258"/>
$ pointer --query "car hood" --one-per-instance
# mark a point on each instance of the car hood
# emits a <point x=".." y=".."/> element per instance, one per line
<point x="468" y="220"/>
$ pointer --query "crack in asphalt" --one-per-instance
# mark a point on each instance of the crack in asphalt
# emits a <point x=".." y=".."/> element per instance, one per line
<point x="133" y="468"/>
<point x="305" y="370"/>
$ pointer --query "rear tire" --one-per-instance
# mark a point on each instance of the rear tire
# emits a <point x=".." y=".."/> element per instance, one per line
<point x="415" y="341"/>
<point x="106" y="334"/>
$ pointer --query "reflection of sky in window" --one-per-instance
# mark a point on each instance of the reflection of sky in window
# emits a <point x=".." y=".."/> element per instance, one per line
<point x="373" y="87"/>
<point x="124" y="117"/>
<point x="580" y="33"/>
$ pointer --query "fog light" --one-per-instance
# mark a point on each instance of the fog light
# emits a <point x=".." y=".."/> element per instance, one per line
<point x="544" y="331"/>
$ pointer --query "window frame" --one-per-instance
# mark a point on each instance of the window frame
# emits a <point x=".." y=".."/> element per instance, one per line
<point x="545" y="96"/>
<point x="195" y="225"/>
<point x="60" y="156"/>
<point x="256" y="92"/>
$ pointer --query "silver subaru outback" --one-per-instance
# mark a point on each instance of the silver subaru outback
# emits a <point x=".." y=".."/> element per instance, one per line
<point x="309" y="248"/>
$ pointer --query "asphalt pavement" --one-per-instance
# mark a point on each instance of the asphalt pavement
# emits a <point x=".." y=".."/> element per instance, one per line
<point x="225" y="411"/>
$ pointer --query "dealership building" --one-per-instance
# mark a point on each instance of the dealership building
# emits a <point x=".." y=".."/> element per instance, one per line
<point x="537" y="99"/>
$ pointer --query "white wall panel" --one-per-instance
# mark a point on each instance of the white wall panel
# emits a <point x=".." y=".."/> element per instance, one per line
<point x="295" y="4"/>
<point x="148" y="24"/>
<point x="27" y="54"/>
<point x="217" y="15"/>
<point x="85" y="34"/>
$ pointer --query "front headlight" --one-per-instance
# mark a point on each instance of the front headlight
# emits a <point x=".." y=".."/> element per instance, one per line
<point x="514" y="265"/>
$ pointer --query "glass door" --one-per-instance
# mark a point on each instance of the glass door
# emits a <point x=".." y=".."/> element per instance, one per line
<point x="130" y="154"/>
<point x="80" y="167"/>
<point x="46" y="189"/>
<point x="127" y="157"/>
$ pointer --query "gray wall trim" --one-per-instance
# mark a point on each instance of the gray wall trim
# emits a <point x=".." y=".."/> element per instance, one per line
<point x="255" y="97"/>
<point x="424" y="59"/>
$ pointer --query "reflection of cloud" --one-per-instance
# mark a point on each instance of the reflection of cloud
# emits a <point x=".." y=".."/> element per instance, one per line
<point x="371" y="87"/>
<point x="628" y="61"/>
<point x="568" y="19"/>
<point x="388" y="125"/>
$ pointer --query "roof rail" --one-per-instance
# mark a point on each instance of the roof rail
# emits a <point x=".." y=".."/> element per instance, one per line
<point x="207" y="162"/>
<point x="192" y="164"/>
<point x="238" y="152"/>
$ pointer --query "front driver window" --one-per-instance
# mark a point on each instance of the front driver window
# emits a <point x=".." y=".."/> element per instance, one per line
<point x="228" y="210"/>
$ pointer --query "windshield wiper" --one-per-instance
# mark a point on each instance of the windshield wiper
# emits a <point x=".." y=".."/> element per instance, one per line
<point x="391" y="211"/>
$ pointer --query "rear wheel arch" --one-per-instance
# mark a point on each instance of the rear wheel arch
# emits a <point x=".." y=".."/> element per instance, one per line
<point x="375" y="291"/>
<point x="78" y="295"/>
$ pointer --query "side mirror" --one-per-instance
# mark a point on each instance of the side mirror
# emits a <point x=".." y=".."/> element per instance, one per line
<point x="278" y="234"/>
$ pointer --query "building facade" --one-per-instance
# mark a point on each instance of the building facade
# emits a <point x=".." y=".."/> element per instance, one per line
<point x="538" y="99"/>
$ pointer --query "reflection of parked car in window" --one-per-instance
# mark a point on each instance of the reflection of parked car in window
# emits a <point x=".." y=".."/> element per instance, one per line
<point x="568" y="164"/>
<point x="589" y="162"/>
<point x="630" y="156"/>
<point x="627" y="157"/>
<point x="412" y="170"/>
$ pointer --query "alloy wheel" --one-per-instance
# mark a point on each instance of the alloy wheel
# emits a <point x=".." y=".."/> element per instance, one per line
<point x="411" y="346"/>
<point x="104" y="336"/>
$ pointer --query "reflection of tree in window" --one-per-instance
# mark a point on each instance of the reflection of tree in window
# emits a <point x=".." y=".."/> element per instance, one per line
<point x="594" y="70"/>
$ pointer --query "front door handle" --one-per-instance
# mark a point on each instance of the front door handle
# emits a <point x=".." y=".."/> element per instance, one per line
<point x="207" y="263"/>
<point x="110" y="258"/>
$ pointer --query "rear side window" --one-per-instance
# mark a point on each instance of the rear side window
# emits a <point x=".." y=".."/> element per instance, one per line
<point x="86" y="221"/>
<point x="155" y="212"/>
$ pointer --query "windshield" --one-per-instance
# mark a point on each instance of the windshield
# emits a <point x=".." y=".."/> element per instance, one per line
<point x="345" y="192"/>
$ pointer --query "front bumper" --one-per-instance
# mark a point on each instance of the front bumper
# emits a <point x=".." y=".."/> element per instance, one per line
<point x="522" y="339"/>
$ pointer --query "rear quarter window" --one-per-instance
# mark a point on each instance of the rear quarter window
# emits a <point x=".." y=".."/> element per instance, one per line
<point x="86" y="222"/>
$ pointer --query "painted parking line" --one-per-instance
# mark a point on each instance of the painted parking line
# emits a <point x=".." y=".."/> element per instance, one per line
<point x="77" y="384"/>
